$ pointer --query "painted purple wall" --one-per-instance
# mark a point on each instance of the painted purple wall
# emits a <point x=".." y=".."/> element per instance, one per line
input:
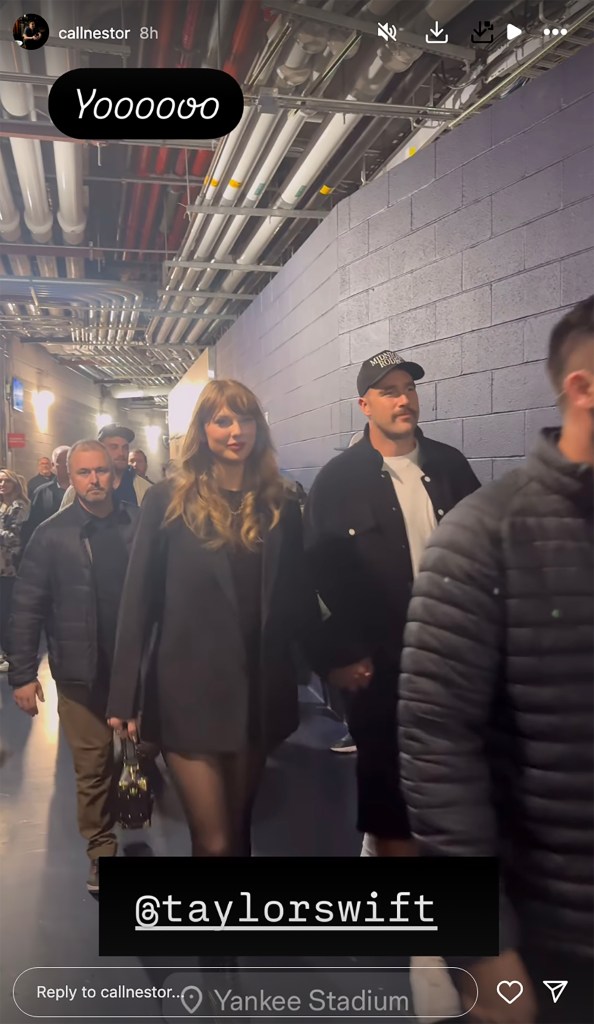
<point x="462" y="257"/>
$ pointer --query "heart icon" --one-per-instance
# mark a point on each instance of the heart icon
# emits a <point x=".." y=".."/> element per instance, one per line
<point x="191" y="998"/>
<point x="509" y="985"/>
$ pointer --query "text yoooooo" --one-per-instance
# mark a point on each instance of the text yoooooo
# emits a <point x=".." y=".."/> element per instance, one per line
<point x="133" y="108"/>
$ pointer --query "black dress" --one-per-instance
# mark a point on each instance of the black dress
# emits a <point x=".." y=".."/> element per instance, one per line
<point x="246" y="568"/>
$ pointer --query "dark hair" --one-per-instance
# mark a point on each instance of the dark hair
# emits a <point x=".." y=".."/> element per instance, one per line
<point x="566" y="337"/>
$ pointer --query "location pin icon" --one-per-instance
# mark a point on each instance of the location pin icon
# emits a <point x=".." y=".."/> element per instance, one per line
<point x="191" y="998"/>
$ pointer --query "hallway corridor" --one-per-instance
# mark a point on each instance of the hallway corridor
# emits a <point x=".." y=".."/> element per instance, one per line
<point x="306" y="807"/>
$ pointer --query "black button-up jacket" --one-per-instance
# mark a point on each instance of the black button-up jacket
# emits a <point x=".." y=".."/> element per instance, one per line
<point x="357" y="545"/>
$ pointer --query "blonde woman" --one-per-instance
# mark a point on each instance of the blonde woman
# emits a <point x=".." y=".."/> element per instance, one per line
<point x="14" y="511"/>
<point x="217" y="575"/>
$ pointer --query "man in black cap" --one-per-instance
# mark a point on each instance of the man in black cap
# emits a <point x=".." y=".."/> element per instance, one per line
<point x="128" y="485"/>
<point x="367" y="519"/>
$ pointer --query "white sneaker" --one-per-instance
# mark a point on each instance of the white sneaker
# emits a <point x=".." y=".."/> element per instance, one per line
<point x="3" y="664"/>
<point x="434" y="994"/>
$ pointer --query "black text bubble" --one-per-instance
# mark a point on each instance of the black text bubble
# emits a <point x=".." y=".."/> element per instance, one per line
<point x="168" y="103"/>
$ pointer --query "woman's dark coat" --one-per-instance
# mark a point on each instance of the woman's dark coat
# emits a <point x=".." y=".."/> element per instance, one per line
<point x="197" y="687"/>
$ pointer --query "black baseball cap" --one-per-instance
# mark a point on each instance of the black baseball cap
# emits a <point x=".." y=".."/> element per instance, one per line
<point x="373" y="369"/>
<point x="115" y="430"/>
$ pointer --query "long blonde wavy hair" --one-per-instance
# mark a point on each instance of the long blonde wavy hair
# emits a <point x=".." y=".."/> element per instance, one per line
<point x="196" y="483"/>
<point x="20" y="493"/>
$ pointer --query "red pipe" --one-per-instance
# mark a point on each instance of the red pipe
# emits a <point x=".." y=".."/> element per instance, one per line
<point x="168" y="21"/>
<point x="193" y="11"/>
<point x="251" y="13"/>
<point x="189" y="31"/>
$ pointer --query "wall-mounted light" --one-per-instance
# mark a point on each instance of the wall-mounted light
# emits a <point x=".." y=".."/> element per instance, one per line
<point x="103" y="419"/>
<point x="42" y="400"/>
<point x="152" y="439"/>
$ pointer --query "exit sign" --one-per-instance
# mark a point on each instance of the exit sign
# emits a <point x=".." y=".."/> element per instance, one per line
<point x="16" y="440"/>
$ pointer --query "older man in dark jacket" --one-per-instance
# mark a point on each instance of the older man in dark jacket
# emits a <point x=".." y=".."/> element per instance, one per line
<point x="496" y="713"/>
<point x="368" y="516"/>
<point x="70" y="582"/>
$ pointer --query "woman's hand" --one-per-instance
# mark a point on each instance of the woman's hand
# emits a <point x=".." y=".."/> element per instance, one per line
<point x="126" y="730"/>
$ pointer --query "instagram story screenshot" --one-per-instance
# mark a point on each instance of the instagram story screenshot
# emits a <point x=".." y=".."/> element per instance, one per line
<point x="297" y="511"/>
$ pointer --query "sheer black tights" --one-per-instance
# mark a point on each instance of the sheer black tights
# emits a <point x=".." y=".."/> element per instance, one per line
<point x="217" y="794"/>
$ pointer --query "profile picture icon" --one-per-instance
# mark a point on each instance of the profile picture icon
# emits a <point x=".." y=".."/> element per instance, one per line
<point x="30" y="31"/>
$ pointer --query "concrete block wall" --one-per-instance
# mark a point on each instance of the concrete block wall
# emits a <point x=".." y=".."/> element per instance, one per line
<point x="73" y="414"/>
<point x="462" y="258"/>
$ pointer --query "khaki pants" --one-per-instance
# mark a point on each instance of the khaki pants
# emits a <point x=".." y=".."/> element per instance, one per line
<point x="91" y="742"/>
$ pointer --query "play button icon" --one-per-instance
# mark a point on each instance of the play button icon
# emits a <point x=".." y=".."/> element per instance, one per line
<point x="513" y="31"/>
<point x="556" y="988"/>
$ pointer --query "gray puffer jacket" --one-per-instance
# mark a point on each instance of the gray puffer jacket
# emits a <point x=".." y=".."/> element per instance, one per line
<point x="496" y="695"/>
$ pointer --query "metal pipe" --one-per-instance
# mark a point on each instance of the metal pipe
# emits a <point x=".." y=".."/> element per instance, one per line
<point x="367" y="27"/>
<point x="189" y="29"/>
<point x="246" y="24"/>
<point x="373" y="81"/>
<point x="10" y="219"/>
<point x="166" y="24"/>
<point x="286" y="136"/>
<point x="258" y="211"/>
<point x="519" y="71"/>
<point x="71" y="214"/>
<point x="220" y="265"/>
<point x="18" y="100"/>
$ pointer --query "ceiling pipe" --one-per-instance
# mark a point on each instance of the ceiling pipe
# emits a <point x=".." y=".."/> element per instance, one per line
<point x="504" y="57"/>
<point x="18" y="101"/>
<point x="354" y="150"/>
<point x="71" y="215"/>
<point x="406" y="86"/>
<point x="166" y="25"/>
<point x="10" y="218"/>
<point x="210" y="185"/>
<point x="150" y="392"/>
<point x="263" y="126"/>
<point x="369" y="84"/>
<point x="311" y="39"/>
<point x="219" y="31"/>
<point x="259" y="182"/>
<point x="189" y="30"/>
<point x="247" y="22"/>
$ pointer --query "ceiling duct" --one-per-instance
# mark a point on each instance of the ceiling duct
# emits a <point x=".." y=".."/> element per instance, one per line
<point x="131" y="392"/>
<point x="68" y="156"/>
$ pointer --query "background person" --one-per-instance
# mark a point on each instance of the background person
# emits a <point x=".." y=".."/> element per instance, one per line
<point x="14" y="510"/>
<point x="139" y="462"/>
<point x="69" y="583"/>
<point x="367" y="518"/>
<point x="497" y="704"/>
<point x="47" y="498"/>
<point x="128" y="486"/>
<point x="43" y="476"/>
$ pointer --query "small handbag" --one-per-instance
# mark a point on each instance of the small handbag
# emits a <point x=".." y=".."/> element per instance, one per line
<point x="135" y="796"/>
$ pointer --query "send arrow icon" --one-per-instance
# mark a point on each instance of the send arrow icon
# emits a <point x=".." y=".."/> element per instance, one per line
<point x="556" y="988"/>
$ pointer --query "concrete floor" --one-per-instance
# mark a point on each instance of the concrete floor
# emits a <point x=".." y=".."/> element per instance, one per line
<point x="306" y="807"/>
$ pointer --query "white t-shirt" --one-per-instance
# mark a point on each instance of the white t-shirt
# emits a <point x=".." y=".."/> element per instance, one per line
<point x="419" y="517"/>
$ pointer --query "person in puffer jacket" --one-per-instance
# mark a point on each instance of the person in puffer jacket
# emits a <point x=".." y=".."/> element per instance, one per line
<point x="496" y="701"/>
